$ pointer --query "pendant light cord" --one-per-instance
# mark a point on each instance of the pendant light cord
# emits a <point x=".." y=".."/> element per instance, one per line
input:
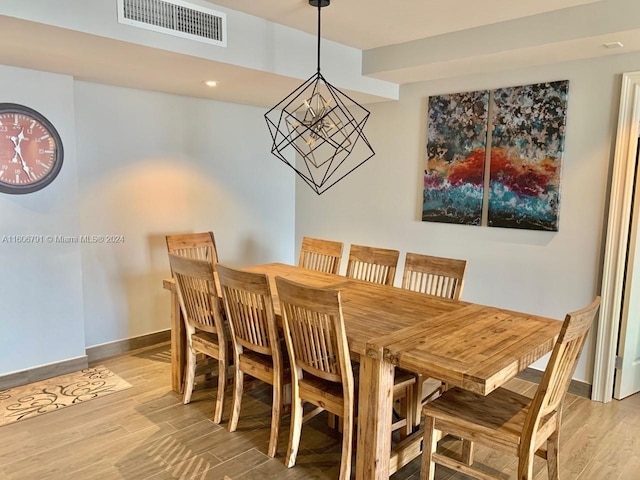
<point x="319" y="7"/>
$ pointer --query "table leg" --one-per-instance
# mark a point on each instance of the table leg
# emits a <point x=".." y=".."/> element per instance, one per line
<point x="374" y="419"/>
<point x="178" y="344"/>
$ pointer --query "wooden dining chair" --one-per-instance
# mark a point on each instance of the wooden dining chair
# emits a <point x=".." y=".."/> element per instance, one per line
<point x="440" y="277"/>
<point x="505" y="420"/>
<point x="371" y="264"/>
<point x="256" y="342"/>
<point x="320" y="255"/>
<point x="203" y="319"/>
<point x="378" y="265"/>
<point x="201" y="246"/>
<point x="320" y="364"/>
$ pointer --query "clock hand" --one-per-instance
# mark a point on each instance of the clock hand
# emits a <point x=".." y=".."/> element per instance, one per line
<point x="18" y="140"/>
<point x="15" y="154"/>
<point x="18" y="154"/>
<point x="25" y="167"/>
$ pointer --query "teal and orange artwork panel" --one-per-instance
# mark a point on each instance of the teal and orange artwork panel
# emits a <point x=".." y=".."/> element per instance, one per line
<point x="527" y="146"/>
<point x="456" y="151"/>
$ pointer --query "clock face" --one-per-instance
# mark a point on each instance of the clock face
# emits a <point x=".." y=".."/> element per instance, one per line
<point x="30" y="150"/>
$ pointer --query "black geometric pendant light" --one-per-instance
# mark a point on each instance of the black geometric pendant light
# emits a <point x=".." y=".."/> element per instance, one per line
<point x="314" y="123"/>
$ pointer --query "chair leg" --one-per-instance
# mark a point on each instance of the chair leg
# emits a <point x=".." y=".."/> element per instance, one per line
<point x="525" y="465"/>
<point x="287" y="394"/>
<point x="405" y="410"/>
<point x="429" y="445"/>
<point x="295" y="429"/>
<point x="208" y="376"/>
<point x="467" y="451"/>
<point x="410" y="409"/>
<point x="222" y="383"/>
<point x="237" y="398"/>
<point x="332" y="421"/>
<point x="286" y="398"/>
<point x="189" y="375"/>
<point x="347" y="447"/>
<point x="553" y="463"/>
<point x="276" y="413"/>
<point x="417" y="400"/>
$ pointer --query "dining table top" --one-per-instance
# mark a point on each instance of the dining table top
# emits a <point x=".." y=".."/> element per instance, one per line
<point x="476" y="347"/>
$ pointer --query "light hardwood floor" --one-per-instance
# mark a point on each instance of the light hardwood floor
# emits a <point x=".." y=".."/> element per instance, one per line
<point x="146" y="433"/>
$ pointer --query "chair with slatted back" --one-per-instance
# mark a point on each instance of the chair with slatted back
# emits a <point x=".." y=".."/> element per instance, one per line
<point x="505" y="420"/>
<point x="371" y="264"/>
<point x="378" y="265"/>
<point x="203" y="319"/>
<point x="320" y="255"/>
<point x="256" y="342"/>
<point x="201" y="246"/>
<point x="320" y="364"/>
<point x="436" y="276"/>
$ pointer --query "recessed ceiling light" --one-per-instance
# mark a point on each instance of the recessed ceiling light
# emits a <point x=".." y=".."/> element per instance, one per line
<point x="211" y="83"/>
<point x="613" y="45"/>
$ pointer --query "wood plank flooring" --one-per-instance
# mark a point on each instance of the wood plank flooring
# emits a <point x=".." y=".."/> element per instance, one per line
<point x="145" y="433"/>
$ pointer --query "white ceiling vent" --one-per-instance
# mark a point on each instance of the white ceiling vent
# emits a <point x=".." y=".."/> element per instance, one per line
<point x="175" y="17"/>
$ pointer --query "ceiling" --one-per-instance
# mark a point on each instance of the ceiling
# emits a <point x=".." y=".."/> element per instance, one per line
<point x="402" y="41"/>
<point x="366" y="24"/>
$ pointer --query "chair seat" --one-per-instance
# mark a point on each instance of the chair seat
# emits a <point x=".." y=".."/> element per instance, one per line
<point x="326" y="394"/>
<point x="402" y="379"/>
<point x="260" y="366"/>
<point x="499" y="416"/>
<point x="207" y="342"/>
<point x="205" y="337"/>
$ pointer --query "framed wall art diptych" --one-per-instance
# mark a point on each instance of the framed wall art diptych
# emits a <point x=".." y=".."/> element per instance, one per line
<point x="526" y="145"/>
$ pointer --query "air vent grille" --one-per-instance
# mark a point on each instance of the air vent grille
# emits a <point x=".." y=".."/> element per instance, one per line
<point x="175" y="18"/>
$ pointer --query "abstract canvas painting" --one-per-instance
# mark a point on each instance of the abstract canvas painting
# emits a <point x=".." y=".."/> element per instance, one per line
<point x="456" y="150"/>
<point x="526" y="154"/>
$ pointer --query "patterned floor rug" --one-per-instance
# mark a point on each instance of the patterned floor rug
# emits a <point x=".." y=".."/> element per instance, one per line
<point x="35" y="399"/>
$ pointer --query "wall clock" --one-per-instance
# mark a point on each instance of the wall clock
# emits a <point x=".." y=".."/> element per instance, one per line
<point x="31" y="151"/>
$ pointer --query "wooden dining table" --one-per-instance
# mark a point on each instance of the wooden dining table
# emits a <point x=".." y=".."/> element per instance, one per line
<point x="475" y="347"/>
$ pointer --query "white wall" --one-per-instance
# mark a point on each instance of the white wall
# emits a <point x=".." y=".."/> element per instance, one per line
<point x="41" y="318"/>
<point x="147" y="164"/>
<point x="538" y="272"/>
<point x="152" y="164"/>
